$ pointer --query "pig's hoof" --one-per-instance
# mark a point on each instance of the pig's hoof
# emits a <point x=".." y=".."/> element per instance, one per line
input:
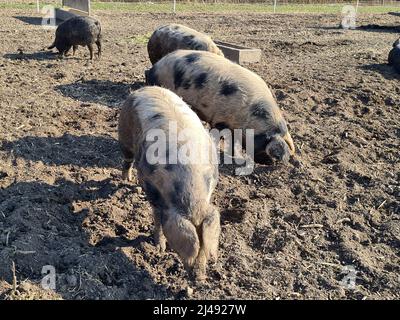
<point x="199" y="276"/>
<point x="161" y="246"/>
<point x="126" y="176"/>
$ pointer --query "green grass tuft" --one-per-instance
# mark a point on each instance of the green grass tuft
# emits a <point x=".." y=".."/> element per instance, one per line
<point x="236" y="7"/>
<point x="166" y="7"/>
<point x="140" y="39"/>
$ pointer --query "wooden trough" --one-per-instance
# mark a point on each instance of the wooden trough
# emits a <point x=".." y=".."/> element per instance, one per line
<point x="239" y="54"/>
<point x="73" y="8"/>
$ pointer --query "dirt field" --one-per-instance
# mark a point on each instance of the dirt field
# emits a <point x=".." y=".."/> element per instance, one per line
<point x="287" y="231"/>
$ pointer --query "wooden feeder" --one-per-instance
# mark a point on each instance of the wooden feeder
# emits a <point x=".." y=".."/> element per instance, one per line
<point x="73" y="8"/>
<point x="239" y="54"/>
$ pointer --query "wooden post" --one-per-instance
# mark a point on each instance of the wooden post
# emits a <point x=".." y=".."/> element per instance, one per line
<point x="274" y="6"/>
<point x="174" y="6"/>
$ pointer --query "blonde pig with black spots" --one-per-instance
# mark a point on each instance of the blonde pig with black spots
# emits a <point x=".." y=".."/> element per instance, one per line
<point x="179" y="191"/>
<point x="171" y="37"/>
<point x="226" y="95"/>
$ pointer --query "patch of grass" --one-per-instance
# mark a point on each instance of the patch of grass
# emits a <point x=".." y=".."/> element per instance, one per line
<point x="236" y="7"/>
<point x="166" y="7"/>
<point x="140" y="39"/>
<point x="17" y="6"/>
<point x="26" y="6"/>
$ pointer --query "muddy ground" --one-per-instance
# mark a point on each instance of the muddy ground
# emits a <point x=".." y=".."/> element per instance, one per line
<point x="287" y="231"/>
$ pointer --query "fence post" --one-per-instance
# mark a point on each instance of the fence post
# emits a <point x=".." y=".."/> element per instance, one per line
<point x="174" y="6"/>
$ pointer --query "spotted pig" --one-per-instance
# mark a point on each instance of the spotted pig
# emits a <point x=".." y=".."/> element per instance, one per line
<point x="227" y="96"/>
<point x="179" y="191"/>
<point x="171" y="37"/>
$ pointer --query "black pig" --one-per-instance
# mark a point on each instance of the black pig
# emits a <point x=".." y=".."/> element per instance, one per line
<point x="394" y="56"/>
<point x="78" y="31"/>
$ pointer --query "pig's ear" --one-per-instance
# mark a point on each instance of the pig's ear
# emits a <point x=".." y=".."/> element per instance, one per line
<point x="287" y="137"/>
<point x="182" y="237"/>
<point x="151" y="77"/>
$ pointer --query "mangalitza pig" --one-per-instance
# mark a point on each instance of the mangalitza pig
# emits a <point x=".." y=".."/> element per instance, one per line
<point x="78" y="31"/>
<point x="171" y="37"/>
<point x="179" y="191"/>
<point x="227" y="96"/>
<point x="394" y="56"/>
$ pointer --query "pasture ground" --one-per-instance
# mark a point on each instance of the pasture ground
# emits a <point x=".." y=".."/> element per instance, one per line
<point x="287" y="231"/>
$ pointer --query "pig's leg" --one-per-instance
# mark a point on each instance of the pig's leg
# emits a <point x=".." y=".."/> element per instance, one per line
<point x="90" y="47"/>
<point x="127" y="163"/>
<point x="127" y="170"/>
<point x="98" y="44"/>
<point x="182" y="237"/>
<point x="199" y="268"/>
<point x="74" y="48"/>
<point x="159" y="237"/>
<point x="211" y="230"/>
<point x="208" y="234"/>
<point x="66" y="51"/>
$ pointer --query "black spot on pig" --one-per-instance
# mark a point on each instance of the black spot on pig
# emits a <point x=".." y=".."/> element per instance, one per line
<point x="186" y="84"/>
<point x="188" y="40"/>
<point x="259" y="110"/>
<point x="200" y="80"/>
<point x="156" y="116"/>
<point x="228" y="88"/>
<point x="260" y="142"/>
<point x="151" y="77"/>
<point x="176" y="196"/>
<point x="178" y="75"/>
<point x="178" y="187"/>
<point x="192" y="57"/>
<point x="154" y="196"/>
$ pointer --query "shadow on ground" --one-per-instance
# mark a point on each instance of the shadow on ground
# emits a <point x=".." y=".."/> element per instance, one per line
<point x="40" y="55"/>
<point x="37" y="21"/>
<point x="82" y="151"/>
<point x="384" y="69"/>
<point x="379" y="28"/>
<point x="104" y="92"/>
<point x="43" y="227"/>
<point x="368" y="27"/>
